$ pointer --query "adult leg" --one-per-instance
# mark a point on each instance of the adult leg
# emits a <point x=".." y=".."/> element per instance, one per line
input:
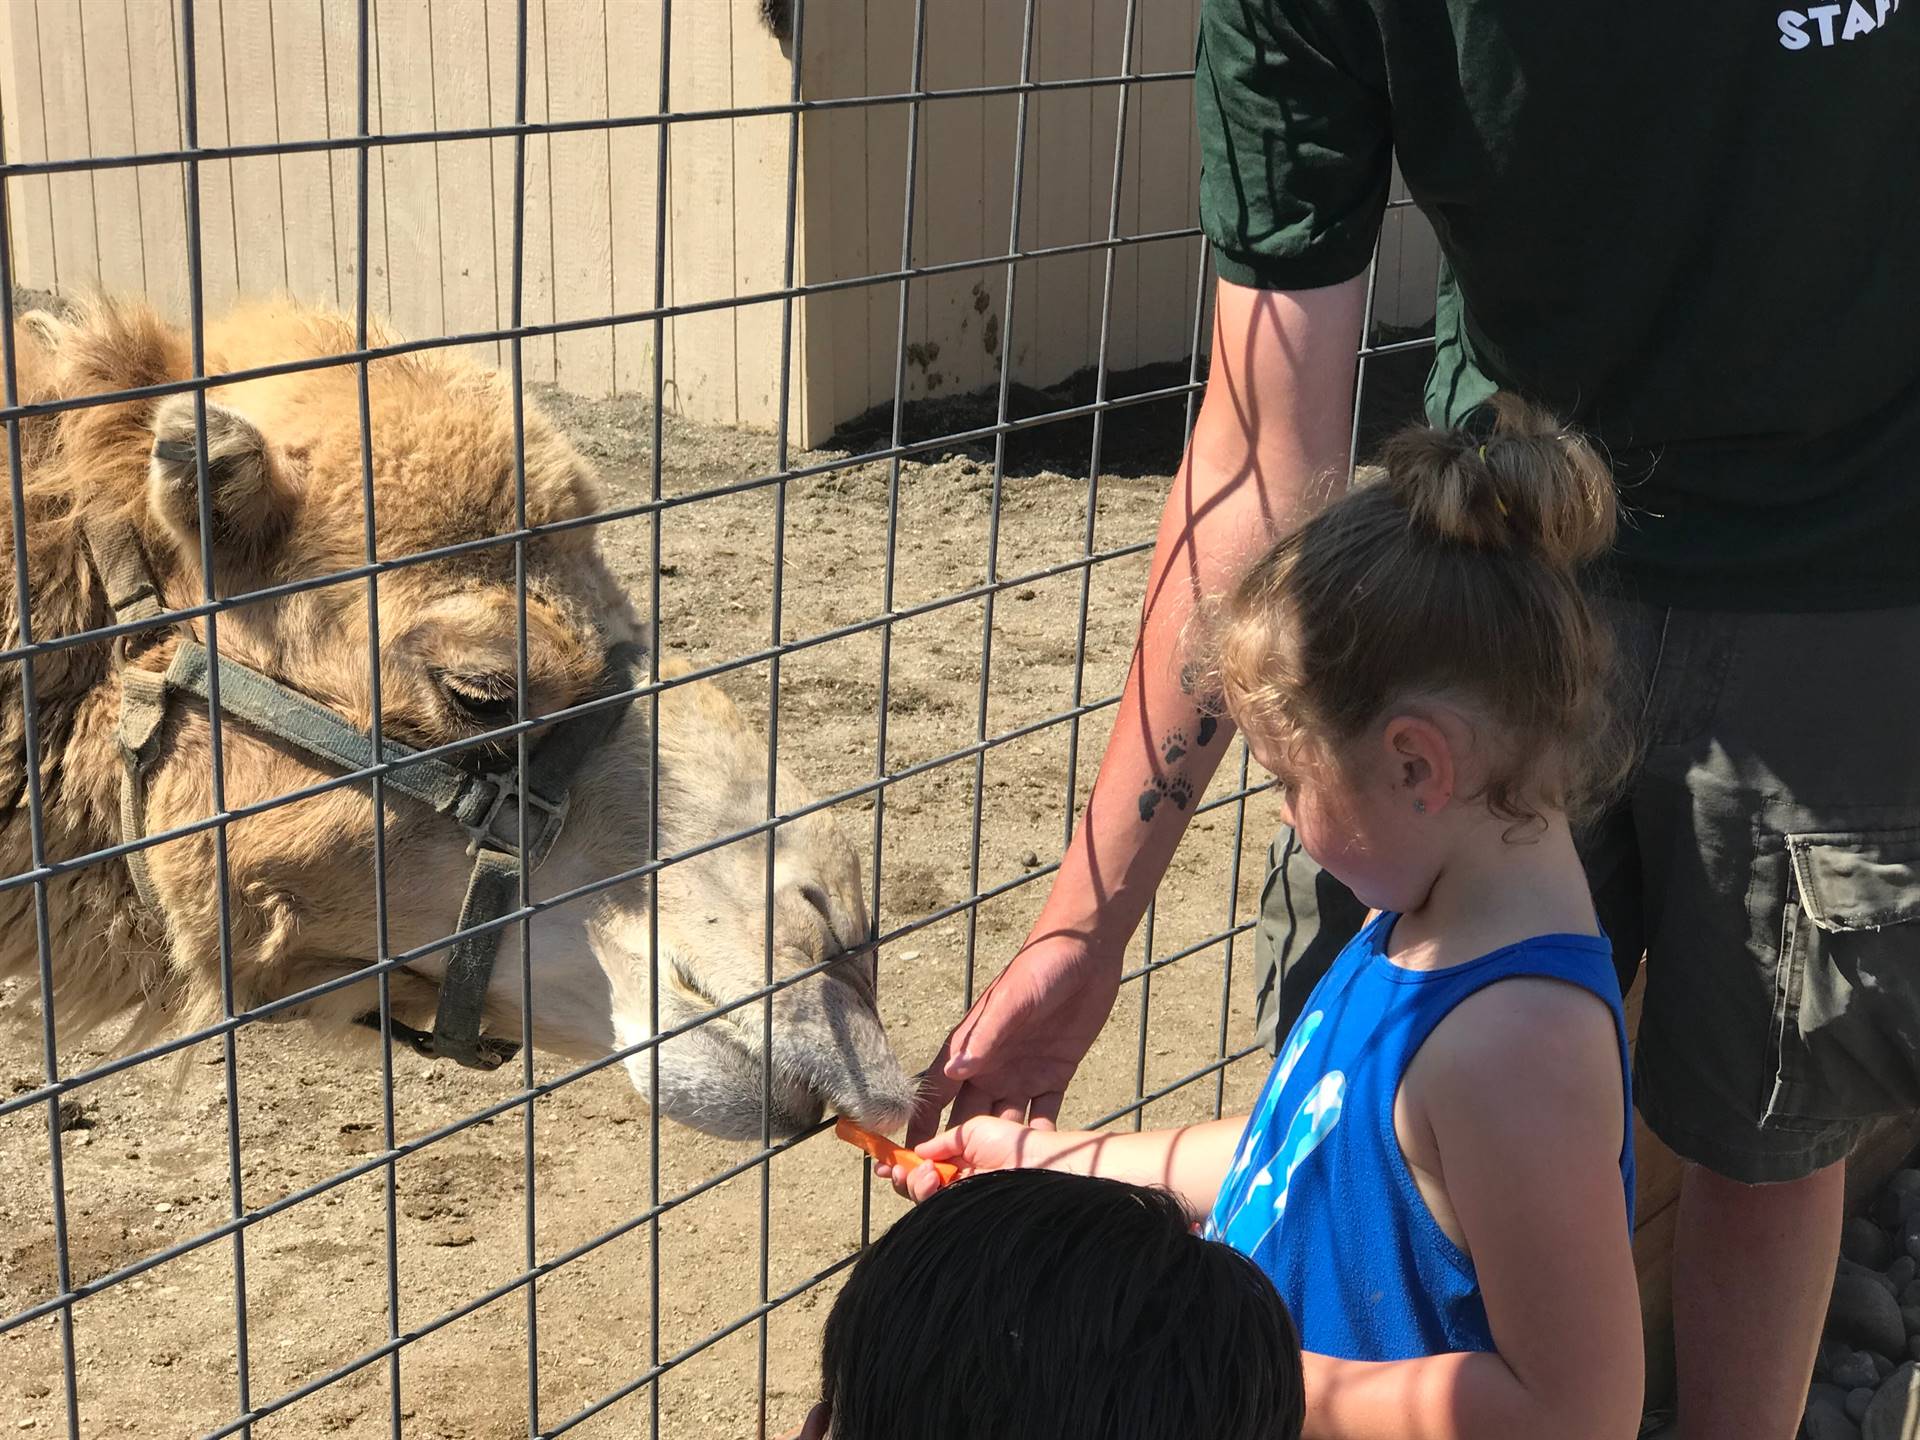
<point x="1779" y="822"/>
<point x="1306" y="919"/>
<point x="1752" y="1270"/>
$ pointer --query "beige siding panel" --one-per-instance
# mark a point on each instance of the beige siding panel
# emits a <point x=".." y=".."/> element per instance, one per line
<point x="833" y="326"/>
<point x="110" y="130"/>
<point x="889" y="71"/>
<point x="408" y="175"/>
<point x="219" y="261"/>
<point x="306" y="180"/>
<point x="1063" y="341"/>
<point x="1104" y="216"/>
<point x="633" y="88"/>
<point x="581" y="207"/>
<point x="814" y="242"/>
<point x="1409" y="265"/>
<point x="30" y="198"/>
<point x="952" y="177"/>
<point x="762" y="74"/>
<point x="469" y="287"/>
<point x="1003" y="30"/>
<point x="63" y="75"/>
<point x="1164" y="161"/>
<point x="153" y="89"/>
<point x="260" y="217"/>
<point x="537" y="354"/>
<point x="704" y="382"/>
<point x="340" y="58"/>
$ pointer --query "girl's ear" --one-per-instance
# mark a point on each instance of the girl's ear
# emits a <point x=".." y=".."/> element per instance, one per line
<point x="816" y="1426"/>
<point x="1420" y="760"/>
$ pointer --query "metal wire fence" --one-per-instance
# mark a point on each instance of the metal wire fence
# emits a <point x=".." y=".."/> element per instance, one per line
<point x="625" y="1380"/>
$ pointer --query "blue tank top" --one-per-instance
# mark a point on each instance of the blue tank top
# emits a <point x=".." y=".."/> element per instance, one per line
<point x="1319" y="1194"/>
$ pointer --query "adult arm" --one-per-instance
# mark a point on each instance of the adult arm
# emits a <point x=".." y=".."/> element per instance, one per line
<point x="1270" y="441"/>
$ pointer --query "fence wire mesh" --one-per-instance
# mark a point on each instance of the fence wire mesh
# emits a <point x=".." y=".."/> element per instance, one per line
<point x="346" y="1239"/>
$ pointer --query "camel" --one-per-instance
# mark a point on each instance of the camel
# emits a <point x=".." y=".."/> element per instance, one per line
<point x="114" y="512"/>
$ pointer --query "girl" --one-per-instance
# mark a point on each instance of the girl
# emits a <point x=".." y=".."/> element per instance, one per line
<point x="1438" y="1174"/>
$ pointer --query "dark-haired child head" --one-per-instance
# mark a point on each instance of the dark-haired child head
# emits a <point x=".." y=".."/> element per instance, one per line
<point x="1036" y="1305"/>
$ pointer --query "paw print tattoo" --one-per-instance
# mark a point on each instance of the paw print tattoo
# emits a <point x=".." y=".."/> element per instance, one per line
<point x="1174" y="747"/>
<point x="1209" y="727"/>
<point x="1176" y="790"/>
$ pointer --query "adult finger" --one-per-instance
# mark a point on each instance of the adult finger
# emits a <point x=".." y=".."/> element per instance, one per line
<point x="972" y="1101"/>
<point x="936" y="1091"/>
<point x="1045" y="1111"/>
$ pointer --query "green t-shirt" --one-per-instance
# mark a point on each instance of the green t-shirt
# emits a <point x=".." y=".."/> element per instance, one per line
<point x="1694" y="230"/>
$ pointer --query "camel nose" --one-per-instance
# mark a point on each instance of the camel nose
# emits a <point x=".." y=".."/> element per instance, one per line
<point x="827" y="1038"/>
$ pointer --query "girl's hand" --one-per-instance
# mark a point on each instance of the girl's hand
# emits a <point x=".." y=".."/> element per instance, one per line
<point x="982" y="1143"/>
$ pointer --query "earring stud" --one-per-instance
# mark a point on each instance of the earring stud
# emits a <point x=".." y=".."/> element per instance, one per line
<point x="1420" y="807"/>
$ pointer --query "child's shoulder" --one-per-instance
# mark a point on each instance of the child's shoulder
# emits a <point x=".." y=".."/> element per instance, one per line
<point x="1519" y="1035"/>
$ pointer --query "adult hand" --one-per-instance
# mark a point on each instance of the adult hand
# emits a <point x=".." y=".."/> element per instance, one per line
<point x="1019" y="1045"/>
<point x="815" y="1427"/>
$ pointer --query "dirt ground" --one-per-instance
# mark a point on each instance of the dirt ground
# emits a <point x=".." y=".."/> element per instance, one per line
<point x="146" y="1164"/>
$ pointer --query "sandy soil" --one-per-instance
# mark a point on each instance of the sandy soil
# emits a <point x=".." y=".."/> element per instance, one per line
<point x="147" y="1166"/>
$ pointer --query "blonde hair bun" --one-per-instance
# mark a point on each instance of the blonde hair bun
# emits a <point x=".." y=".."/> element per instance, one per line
<point x="1531" y="484"/>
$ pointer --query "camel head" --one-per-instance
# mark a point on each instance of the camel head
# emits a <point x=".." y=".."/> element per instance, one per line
<point x="286" y="492"/>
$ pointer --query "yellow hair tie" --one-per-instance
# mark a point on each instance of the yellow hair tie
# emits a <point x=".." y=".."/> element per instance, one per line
<point x="1483" y="452"/>
<point x="1501" y="506"/>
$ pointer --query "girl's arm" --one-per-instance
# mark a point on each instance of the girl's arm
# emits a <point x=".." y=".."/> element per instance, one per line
<point x="1190" y="1162"/>
<point x="1522" y="1090"/>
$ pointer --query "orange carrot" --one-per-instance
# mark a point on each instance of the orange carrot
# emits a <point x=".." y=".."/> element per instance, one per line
<point x="888" y="1153"/>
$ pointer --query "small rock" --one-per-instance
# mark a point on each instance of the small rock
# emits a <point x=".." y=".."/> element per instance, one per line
<point x="1910" y="1317"/>
<point x="73" y="1114"/>
<point x="1888" y="1209"/>
<point x="1904" y="1182"/>
<point x="162" y="1208"/>
<point x="1867" y="1272"/>
<point x="1827" y="1421"/>
<point x="908" y="955"/>
<point x="1830" y="1354"/>
<point x="1831" y="1397"/>
<point x="1895" y="1411"/>
<point x="1882" y="1368"/>
<point x="1903" y="1271"/>
<point x="1865" y="1243"/>
<point x="27" y="1424"/>
<point x="451" y="1239"/>
<point x="1910" y="1293"/>
<point x="1856" y="1372"/>
<point x="1857" y="1403"/>
<point x="1026" y="594"/>
<point x="1031" y="860"/>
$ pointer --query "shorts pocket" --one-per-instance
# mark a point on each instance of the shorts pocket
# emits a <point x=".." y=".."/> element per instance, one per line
<point x="1847" y="1016"/>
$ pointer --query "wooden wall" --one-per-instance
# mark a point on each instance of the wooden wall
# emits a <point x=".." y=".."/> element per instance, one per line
<point x="95" y="77"/>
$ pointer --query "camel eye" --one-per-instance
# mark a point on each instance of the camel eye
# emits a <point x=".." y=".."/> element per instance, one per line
<point x="486" y="699"/>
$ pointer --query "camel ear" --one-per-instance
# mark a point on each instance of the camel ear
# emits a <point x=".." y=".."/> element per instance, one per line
<point x="250" y="502"/>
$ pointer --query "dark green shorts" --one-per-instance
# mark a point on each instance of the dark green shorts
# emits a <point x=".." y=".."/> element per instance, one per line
<point x="1766" y="860"/>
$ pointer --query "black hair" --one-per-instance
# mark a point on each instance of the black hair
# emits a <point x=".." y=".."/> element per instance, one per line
<point x="1035" y="1305"/>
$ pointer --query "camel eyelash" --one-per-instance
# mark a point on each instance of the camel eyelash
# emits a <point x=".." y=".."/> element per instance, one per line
<point x="486" y="698"/>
